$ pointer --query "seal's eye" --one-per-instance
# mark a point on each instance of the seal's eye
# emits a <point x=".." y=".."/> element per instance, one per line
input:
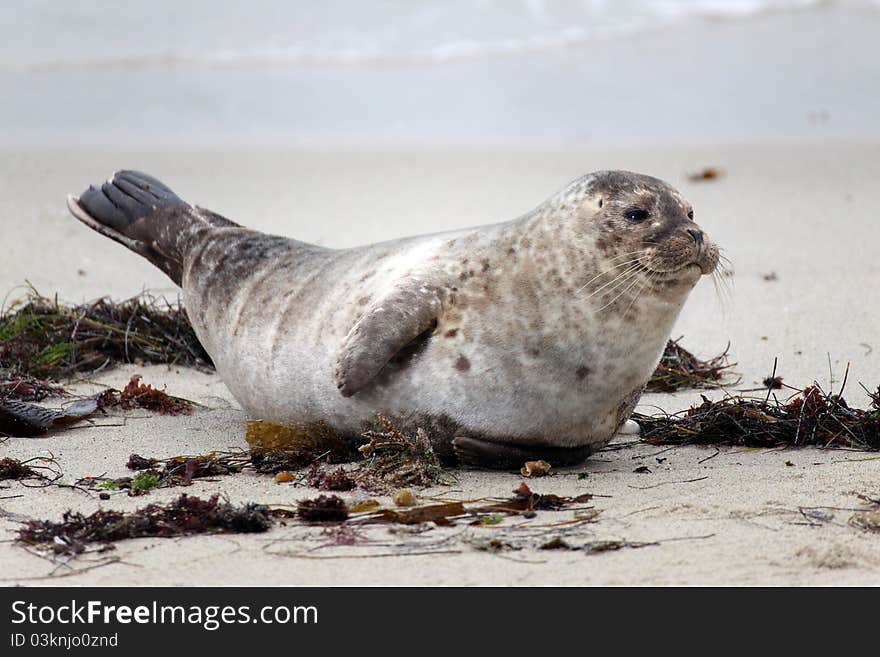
<point x="691" y="215"/>
<point x="636" y="215"/>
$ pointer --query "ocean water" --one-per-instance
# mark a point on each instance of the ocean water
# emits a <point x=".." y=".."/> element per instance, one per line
<point x="203" y="72"/>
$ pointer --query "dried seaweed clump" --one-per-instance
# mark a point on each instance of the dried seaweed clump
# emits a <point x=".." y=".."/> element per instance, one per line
<point x="812" y="417"/>
<point x="338" y="479"/>
<point x="188" y="468"/>
<point x="679" y="368"/>
<point x="184" y="516"/>
<point x="325" y="508"/>
<point x="46" y="339"/>
<point x="869" y="519"/>
<point x="27" y="389"/>
<point x="140" y="395"/>
<point x="165" y="473"/>
<point x="395" y="460"/>
<point x="392" y="459"/>
<point x="13" y="469"/>
<point x="524" y="500"/>
<point x="524" y="503"/>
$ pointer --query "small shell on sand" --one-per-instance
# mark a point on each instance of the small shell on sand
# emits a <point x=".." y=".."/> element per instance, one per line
<point x="404" y="497"/>
<point x="535" y="469"/>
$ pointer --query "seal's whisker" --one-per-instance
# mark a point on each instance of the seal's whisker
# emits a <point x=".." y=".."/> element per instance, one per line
<point x="638" y="293"/>
<point x="723" y="290"/>
<point x="634" y="256"/>
<point x="634" y="281"/>
<point x="616" y="282"/>
<point x="615" y="266"/>
<point x="723" y="271"/>
<point x="617" y="276"/>
<point x="637" y="252"/>
<point x="613" y="286"/>
<point x="721" y="280"/>
<point x="634" y="261"/>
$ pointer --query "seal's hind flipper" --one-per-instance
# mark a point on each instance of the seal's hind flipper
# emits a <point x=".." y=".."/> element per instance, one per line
<point x="129" y="196"/>
<point x="477" y="453"/>
<point x="387" y="328"/>
<point x="144" y="215"/>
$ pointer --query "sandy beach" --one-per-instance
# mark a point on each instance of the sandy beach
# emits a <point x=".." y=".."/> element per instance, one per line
<point x="797" y="220"/>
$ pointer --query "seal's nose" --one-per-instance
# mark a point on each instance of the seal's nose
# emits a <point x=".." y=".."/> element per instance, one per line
<point x="697" y="235"/>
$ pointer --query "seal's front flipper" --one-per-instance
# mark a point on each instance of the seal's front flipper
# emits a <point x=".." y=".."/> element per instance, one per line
<point x="144" y="215"/>
<point x="476" y="453"/>
<point x="388" y="326"/>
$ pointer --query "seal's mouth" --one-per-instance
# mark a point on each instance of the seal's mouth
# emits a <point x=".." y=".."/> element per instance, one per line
<point x="680" y="260"/>
<point x="686" y="270"/>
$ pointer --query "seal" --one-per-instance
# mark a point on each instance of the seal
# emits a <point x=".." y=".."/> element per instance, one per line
<point x="523" y="340"/>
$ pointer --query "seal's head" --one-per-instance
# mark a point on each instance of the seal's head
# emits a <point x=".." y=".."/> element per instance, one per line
<point x="643" y="225"/>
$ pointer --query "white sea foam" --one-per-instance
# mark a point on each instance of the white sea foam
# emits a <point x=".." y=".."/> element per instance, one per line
<point x="220" y="33"/>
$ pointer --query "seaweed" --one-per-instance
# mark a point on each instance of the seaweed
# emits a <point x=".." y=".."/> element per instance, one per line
<point x="184" y="516"/>
<point x="524" y="500"/>
<point x="279" y="447"/>
<point x="139" y="395"/>
<point x="27" y="388"/>
<point x="869" y="519"/>
<point x="439" y="514"/>
<point x="524" y="503"/>
<point x="19" y="418"/>
<point x="325" y="508"/>
<point x="335" y="480"/>
<point x="181" y="470"/>
<point x="773" y="382"/>
<point x="679" y="368"/>
<point x="46" y="339"/>
<point x="189" y="515"/>
<point x="555" y="543"/>
<point x="138" y="462"/>
<point x="395" y="460"/>
<point x="144" y="481"/>
<point x="166" y="473"/>
<point x="33" y="468"/>
<point x="810" y="417"/>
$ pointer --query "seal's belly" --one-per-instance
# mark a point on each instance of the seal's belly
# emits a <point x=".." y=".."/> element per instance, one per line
<point x="529" y="400"/>
<point x="491" y="392"/>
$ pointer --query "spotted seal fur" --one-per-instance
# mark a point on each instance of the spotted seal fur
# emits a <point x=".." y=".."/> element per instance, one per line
<point x="527" y="339"/>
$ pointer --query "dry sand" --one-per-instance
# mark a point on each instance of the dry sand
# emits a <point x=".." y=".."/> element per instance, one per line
<point x="807" y="213"/>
